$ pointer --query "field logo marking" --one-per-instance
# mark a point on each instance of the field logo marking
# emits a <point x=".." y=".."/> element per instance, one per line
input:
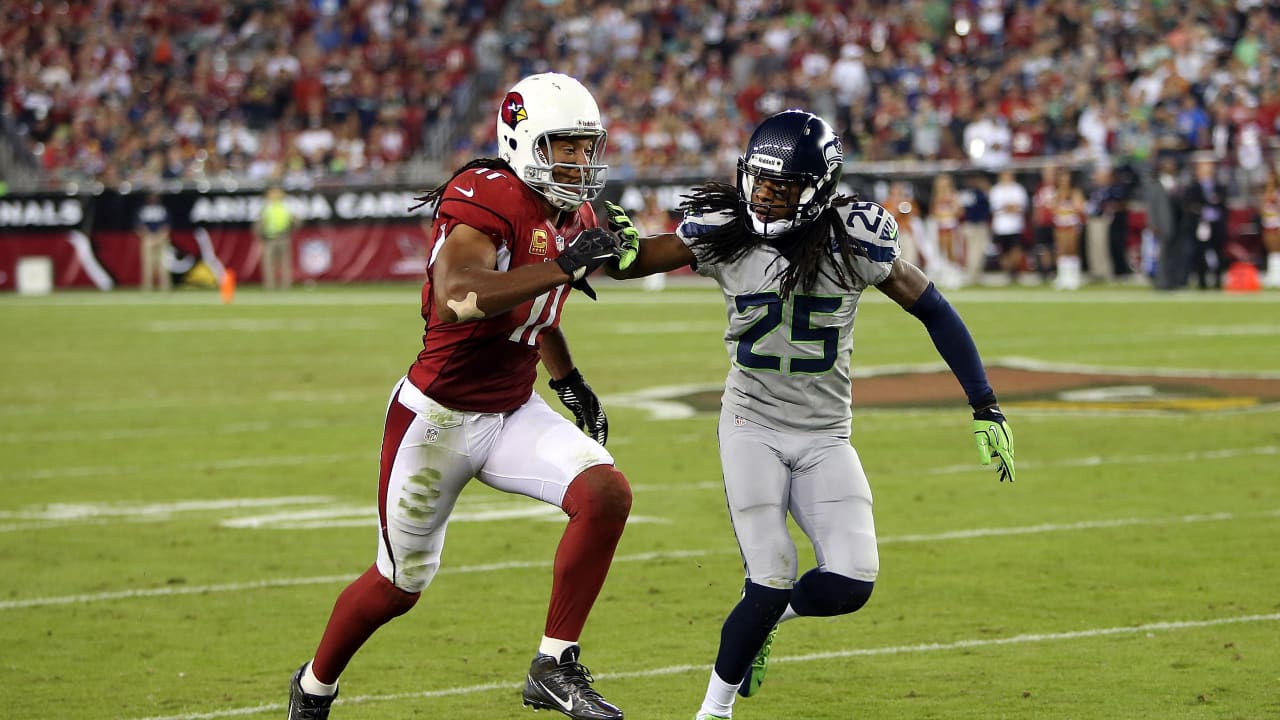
<point x="1025" y="384"/>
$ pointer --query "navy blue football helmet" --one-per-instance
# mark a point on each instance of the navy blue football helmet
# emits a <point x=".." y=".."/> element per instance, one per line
<point x="800" y="150"/>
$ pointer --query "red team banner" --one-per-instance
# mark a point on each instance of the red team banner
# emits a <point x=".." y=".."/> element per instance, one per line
<point x="352" y="253"/>
<point x="93" y="242"/>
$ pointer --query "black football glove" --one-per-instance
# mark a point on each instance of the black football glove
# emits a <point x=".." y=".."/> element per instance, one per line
<point x="577" y="395"/>
<point x="995" y="440"/>
<point x="591" y="249"/>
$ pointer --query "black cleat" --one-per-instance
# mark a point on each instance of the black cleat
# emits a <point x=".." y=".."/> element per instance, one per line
<point x="565" y="686"/>
<point x="304" y="705"/>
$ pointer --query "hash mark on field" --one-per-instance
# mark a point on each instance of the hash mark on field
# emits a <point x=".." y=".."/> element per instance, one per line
<point x="168" y="591"/>
<point x="1166" y="626"/>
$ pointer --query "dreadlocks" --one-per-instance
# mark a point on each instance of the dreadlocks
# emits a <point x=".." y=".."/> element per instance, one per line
<point x="432" y="195"/>
<point x="805" y="248"/>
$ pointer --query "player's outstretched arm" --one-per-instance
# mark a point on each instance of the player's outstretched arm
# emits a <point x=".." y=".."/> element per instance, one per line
<point x="911" y="289"/>
<point x="468" y="286"/>
<point x="643" y="256"/>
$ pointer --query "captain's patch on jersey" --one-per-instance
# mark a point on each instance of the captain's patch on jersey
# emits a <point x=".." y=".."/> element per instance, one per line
<point x="538" y="246"/>
<point x="1022" y="385"/>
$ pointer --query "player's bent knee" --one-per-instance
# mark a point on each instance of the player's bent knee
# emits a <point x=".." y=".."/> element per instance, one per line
<point x="600" y="492"/>
<point x="826" y="594"/>
<point x="413" y="580"/>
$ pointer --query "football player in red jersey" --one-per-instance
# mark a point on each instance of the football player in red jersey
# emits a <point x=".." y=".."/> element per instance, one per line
<point x="511" y="235"/>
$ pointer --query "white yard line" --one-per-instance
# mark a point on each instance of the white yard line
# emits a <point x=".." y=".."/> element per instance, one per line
<point x="170" y="591"/>
<point x="37" y="408"/>
<point x="231" y="464"/>
<point x="255" y="427"/>
<point x="1148" y="628"/>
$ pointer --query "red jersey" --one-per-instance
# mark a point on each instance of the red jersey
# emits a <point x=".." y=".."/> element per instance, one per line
<point x="490" y="365"/>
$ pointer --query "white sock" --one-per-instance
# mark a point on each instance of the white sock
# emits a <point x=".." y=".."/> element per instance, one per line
<point x="1273" y="265"/>
<point x="719" y="698"/>
<point x="555" y="648"/>
<point x="312" y="686"/>
<point x="1069" y="271"/>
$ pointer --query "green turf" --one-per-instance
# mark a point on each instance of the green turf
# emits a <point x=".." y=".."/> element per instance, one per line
<point x="188" y="485"/>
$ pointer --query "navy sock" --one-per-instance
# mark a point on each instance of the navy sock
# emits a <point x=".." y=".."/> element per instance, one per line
<point x="823" y="594"/>
<point x="745" y="629"/>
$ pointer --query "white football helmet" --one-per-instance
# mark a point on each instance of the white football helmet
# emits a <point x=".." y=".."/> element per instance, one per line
<point x="537" y="109"/>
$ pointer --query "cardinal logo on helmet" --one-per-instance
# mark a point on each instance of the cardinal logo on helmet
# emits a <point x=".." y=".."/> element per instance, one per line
<point x="513" y="110"/>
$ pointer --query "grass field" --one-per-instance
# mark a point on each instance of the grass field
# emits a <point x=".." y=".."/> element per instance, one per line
<point x="187" y="486"/>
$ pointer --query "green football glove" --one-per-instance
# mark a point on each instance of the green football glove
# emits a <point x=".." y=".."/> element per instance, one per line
<point x="995" y="440"/>
<point x="627" y="233"/>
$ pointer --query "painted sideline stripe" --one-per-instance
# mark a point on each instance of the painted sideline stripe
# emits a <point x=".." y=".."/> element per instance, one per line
<point x="637" y="557"/>
<point x="1165" y="626"/>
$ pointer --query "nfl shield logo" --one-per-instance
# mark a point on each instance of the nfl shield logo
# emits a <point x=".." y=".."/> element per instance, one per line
<point x="433" y="434"/>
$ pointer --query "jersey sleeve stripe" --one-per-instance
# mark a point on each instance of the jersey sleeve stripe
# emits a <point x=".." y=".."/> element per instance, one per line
<point x="879" y="253"/>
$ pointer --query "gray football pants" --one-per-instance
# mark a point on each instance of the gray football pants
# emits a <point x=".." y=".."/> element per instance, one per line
<point x="818" y="479"/>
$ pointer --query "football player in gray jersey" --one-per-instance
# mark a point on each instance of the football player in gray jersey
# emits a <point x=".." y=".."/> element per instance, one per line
<point x="792" y="257"/>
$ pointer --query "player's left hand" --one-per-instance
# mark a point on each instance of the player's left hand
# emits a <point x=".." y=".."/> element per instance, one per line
<point x="620" y="224"/>
<point x="577" y="395"/>
<point x="995" y="440"/>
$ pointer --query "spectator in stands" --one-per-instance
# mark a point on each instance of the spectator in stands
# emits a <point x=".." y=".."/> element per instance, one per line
<point x="653" y="219"/>
<point x="1123" y="181"/>
<point x="945" y="214"/>
<point x="1269" y="220"/>
<point x="1043" y="200"/>
<point x="987" y="139"/>
<point x="1100" y="211"/>
<point x="274" y="232"/>
<point x="1159" y="187"/>
<point x="1204" y="223"/>
<point x="1107" y="226"/>
<point x="1068" y="224"/>
<point x="153" y="237"/>
<point x="1009" y="202"/>
<point x="976" y="224"/>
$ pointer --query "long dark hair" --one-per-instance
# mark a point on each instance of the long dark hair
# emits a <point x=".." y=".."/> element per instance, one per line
<point x="805" y="247"/>
<point x="431" y="196"/>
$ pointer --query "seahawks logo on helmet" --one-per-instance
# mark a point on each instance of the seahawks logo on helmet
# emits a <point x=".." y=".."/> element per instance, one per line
<point x="513" y="110"/>
<point x="833" y="153"/>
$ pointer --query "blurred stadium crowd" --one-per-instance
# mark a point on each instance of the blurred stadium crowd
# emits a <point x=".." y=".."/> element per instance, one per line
<point x="315" y="90"/>
<point x="315" y="93"/>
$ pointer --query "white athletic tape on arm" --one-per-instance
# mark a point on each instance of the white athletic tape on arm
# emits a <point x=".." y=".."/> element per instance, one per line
<point x="466" y="309"/>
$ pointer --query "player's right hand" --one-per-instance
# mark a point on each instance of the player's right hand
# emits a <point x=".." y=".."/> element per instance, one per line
<point x="995" y="440"/>
<point x="581" y="400"/>
<point x="627" y="233"/>
<point x="591" y="249"/>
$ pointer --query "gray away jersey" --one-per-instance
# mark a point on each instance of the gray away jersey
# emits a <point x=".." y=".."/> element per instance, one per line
<point x="789" y="360"/>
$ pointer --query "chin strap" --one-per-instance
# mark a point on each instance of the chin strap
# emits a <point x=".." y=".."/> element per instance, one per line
<point x="773" y="228"/>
